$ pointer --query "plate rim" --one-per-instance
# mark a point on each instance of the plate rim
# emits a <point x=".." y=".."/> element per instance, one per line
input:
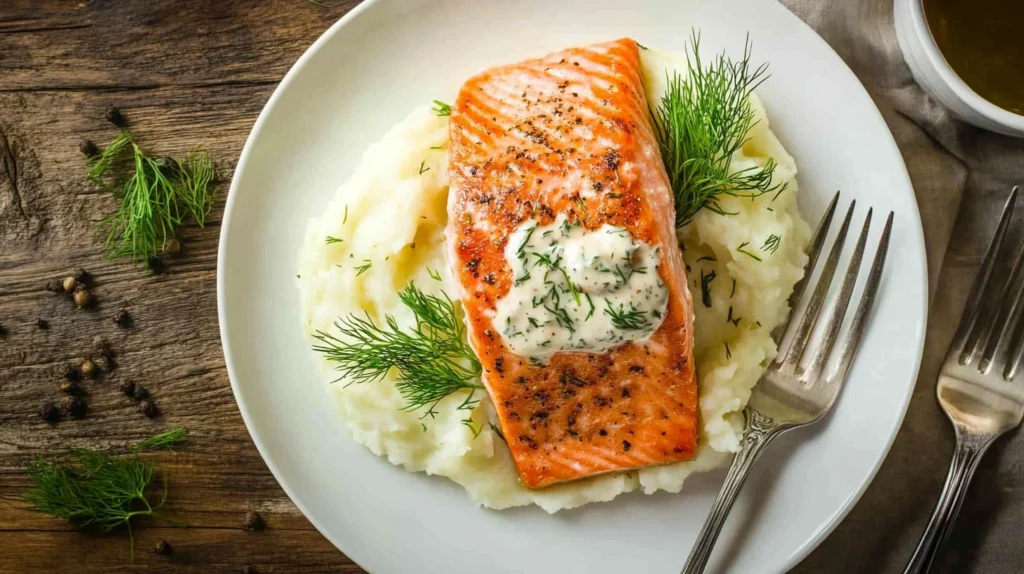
<point x="361" y="559"/>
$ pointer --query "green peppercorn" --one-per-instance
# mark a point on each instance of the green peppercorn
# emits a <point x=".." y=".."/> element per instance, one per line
<point x="88" y="369"/>
<point x="83" y="298"/>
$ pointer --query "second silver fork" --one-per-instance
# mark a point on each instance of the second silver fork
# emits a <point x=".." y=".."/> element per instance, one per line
<point x="788" y="395"/>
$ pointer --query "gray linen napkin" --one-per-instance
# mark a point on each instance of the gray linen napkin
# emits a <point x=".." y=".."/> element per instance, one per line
<point x="956" y="169"/>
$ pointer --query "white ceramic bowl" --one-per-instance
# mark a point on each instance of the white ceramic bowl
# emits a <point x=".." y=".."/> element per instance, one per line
<point x="931" y="70"/>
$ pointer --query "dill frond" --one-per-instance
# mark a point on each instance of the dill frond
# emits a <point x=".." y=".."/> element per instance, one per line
<point x="98" y="489"/>
<point x="442" y="109"/>
<point x="703" y="118"/>
<point x="431" y="358"/>
<point x="155" y="196"/>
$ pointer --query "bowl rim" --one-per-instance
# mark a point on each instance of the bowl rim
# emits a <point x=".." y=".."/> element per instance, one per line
<point x="953" y="80"/>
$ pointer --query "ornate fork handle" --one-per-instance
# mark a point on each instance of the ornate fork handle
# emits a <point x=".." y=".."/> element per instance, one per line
<point x="968" y="453"/>
<point x="760" y="431"/>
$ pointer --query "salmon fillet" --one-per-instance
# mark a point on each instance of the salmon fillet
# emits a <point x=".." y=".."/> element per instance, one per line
<point x="569" y="135"/>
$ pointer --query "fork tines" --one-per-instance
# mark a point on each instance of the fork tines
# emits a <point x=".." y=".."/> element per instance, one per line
<point x="983" y="336"/>
<point x="799" y="347"/>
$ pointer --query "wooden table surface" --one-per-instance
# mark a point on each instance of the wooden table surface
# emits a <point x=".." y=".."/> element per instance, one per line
<point x="186" y="74"/>
<point x="193" y="73"/>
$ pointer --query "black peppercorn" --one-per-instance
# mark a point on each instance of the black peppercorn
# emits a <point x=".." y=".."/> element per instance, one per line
<point x="76" y="407"/>
<point x="72" y="373"/>
<point x="115" y="117"/>
<point x="140" y="393"/>
<point x="88" y="369"/>
<point x="83" y="299"/>
<point x="42" y="324"/>
<point x="156" y="266"/>
<point x="49" y="413"/>
<point x="88" y="148"/>
<point x="172" y="247"/>
<point x="54" y="286"/>
<point x="70" y="387"/>
<point x="162" y="547"/>
<point x="128" y="388"/>
<point x="148" y="408"/>
<point x="83" y="277"/>
<point x="123" y="319"/>
<point x="253" y="521"/>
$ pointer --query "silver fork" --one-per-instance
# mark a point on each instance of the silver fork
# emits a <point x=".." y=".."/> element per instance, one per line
<point x="788" y="395"/>
<point x="976" y="388"/>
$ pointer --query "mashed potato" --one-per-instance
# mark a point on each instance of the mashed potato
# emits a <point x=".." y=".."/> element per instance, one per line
<point x="391" y="216"/>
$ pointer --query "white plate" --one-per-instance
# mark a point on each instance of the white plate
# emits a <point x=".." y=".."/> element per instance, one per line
<point x="364" y="75"/>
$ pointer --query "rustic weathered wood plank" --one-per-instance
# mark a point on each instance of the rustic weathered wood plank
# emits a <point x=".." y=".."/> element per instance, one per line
<point x="187" y="74"/>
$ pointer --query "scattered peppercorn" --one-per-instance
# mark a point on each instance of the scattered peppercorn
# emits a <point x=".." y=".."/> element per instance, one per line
<point x="162" y="547"/>
<point x="83" y="277"/>
<point x="156" y="266"/>
<point x="123" y="319"/>
<point x="128" y="388"/>
<point x="140" y="393"/>
<point x="69" y="284"/>
<point x="42" y="324"/>
<point x="115" y="117"/>
<point x="76" y="407"/>
<point x="88" y="148"/>
<point x="88" y="369"/>
<point x="70" y="387"/>
<point x="173" y="246"/>
<point x="72" y="373"/>
<point x="83" y="298"/>
<point x="49" y="413"/>
<point x="54" y="286"/>
<point x="253" y="521"/>
<point x="148" y="408"/>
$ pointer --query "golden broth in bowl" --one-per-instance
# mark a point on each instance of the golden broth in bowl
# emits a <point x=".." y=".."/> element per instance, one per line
<point x="982" y="42"/>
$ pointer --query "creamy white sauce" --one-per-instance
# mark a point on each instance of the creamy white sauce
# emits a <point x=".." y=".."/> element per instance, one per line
<point x="574" y="289"/>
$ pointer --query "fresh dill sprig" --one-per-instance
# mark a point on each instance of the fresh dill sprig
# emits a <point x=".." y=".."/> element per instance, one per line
<point x="155" y="196"/>
<point x="331" y="239"/>
<point x="99" y="489"/>
<point x="705" y="286"/>
<point x="703" y="118"/>
<point x="771" y="244"/>
<point x="631" y="320"/>
<point x="165" y="440"/>
<point x="423" y="170"/>
<point x="360" y="269"/>
<point x="431" y="358"/>
<point x="433" y="274"/>
<point x="441" y="109"/>
<point x="741" y="249"/>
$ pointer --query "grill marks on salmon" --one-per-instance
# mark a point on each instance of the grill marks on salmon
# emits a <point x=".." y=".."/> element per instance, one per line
<point x="570" y="134"/>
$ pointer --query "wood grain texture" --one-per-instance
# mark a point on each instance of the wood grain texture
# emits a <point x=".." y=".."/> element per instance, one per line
<point x="186" y="74"/>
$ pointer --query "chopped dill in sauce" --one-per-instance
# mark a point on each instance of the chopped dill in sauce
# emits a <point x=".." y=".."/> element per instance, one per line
<point x="579" y="289"/>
